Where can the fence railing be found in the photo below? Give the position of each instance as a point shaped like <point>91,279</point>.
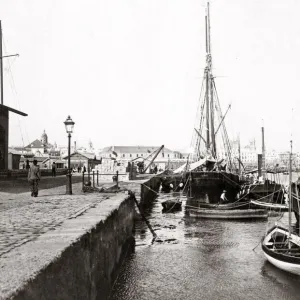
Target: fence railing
<point>94,176</point>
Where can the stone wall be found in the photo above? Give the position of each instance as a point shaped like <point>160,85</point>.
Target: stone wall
<point>87,268</point>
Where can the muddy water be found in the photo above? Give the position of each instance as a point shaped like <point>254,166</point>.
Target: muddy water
<point>201,259</point>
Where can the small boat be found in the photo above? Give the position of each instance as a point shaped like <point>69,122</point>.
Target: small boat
<point>280,245</point>
<point>282,249</point>
<point>268,205</point>
<point>234,214</point>
<point>226,206</point>
<point>172,204</point>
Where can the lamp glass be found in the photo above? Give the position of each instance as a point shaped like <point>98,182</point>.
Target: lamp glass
<point>69,123</point>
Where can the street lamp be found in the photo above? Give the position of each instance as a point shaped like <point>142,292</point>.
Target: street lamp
<point>69,123</point>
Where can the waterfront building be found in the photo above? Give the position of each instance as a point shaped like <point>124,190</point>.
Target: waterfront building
<point>165,159</point>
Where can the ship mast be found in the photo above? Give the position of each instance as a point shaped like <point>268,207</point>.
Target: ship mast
<point>263,152</point>
<point>209,95</point>
<point>290,194</point>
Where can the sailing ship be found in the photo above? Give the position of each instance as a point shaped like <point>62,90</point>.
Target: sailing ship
<point>211,173</point>
<point>280,245</point>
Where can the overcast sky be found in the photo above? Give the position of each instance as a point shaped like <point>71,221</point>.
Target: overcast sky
<point>129,72</point>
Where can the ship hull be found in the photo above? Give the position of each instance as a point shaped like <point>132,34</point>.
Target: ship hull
<point>212,184</point>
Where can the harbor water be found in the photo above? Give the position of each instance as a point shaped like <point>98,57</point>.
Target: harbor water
<point>201,259</point>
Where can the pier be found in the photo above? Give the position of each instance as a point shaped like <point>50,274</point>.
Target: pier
<point>61,246</point>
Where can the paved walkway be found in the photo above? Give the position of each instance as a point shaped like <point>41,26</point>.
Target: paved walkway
<point>23,218</point>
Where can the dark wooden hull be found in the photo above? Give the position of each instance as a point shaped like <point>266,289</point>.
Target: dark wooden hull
<point>270,192</point>
<point>295,202</point>
<point>169,205</point>
<point>213,183</point>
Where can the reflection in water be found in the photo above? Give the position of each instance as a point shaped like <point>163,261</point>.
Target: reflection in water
<point>201,259</point>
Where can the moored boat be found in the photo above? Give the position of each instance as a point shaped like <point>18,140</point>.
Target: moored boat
<point>280,245</point>
<point>282,249</point>
<point>271,206</point>
<point>233,214</point>
<point>171,204</point>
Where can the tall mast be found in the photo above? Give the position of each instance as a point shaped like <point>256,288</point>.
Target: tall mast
<point>263,152</point>
<point>290,195</point>
<point>210,132</point>
<point>1,64</point>
<point>239,148</point>
<point>207,84</point>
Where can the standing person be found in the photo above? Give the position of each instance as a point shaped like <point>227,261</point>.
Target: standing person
<point>27,164</point>
<point>34,178</point>
<point>53,169</point>
<point>223,198</point>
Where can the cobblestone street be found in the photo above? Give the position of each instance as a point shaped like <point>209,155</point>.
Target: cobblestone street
<point>23,218</point>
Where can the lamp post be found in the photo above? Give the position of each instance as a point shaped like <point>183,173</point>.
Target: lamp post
<point>69,128</point>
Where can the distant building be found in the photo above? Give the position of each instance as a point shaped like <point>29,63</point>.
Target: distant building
<point>166,158</point>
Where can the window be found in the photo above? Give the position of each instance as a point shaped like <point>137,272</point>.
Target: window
<point>123,155</point>
<point>168,155</point>
<point>109,155</point>
<point>130,155</point>
<point>141,154</point>
<point>137,155</point>
<point>163,155</point>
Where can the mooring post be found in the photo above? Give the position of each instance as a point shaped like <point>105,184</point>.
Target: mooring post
<point>97,178</point>
<point>93,178</point>
<point>142,215</point>
<point>117,179</point>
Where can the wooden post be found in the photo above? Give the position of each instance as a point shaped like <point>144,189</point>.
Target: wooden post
<point>117,178</point>
<point>93,178</point>
<point>97,178</point>
<point>142,215</point>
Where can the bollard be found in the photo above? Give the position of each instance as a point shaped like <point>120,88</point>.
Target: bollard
<point>93,178</point>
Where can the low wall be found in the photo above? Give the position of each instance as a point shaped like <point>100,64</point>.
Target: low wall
<point>23,173</point>
<point>59,266</point>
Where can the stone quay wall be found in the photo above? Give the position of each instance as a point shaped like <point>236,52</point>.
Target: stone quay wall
<point>79,259</point>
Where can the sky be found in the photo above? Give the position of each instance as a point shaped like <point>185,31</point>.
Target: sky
<point>130,72</point>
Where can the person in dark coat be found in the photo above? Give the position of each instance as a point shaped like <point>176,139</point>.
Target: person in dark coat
<point>33,178</point>
<point>54,169</point>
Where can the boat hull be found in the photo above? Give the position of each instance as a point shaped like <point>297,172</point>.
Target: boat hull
<point>213,183</point>
<point>270,206</point>
<point>274,251</point>
<point>229,206</point>
<point>237,214</point>
<point>271,192</point>
<point>169,205</point>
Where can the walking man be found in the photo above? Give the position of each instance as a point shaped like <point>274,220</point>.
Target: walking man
<point>34,178</point>
<point>53,169</point>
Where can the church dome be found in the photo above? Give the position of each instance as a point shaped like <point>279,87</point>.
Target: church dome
<point>44,138</point>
